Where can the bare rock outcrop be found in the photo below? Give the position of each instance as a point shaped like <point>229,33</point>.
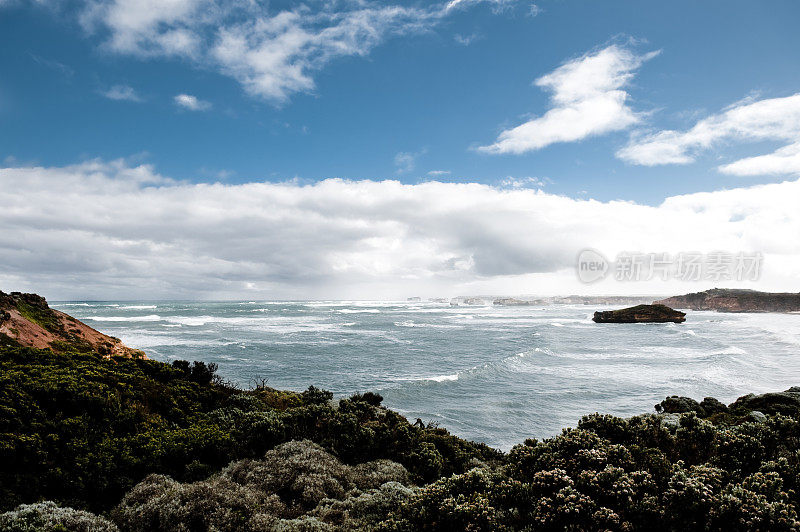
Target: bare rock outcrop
<point>640,314</point>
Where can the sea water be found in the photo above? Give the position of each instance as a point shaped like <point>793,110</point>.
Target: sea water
<point>487,373</point>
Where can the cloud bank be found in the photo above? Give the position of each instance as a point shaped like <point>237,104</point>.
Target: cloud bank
<point>587,99</point>
<point>112,230</point>
<point>775,119</point>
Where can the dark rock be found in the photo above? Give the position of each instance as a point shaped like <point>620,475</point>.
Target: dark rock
<point>640,314</point>
<point>671,420</point>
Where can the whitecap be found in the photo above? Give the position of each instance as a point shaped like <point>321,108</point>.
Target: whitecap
<point>151,317</point>
<point>443,378</point>
<point>413,324</point>
<point>191,321</point>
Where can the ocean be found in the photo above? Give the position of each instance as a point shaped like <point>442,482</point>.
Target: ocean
<point>491,374</point>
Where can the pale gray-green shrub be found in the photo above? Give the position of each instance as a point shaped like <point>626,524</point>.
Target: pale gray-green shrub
<point>48,516</point>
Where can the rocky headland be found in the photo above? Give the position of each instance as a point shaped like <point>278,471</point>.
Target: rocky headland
<point>27,320</point>
<point>735,300</point>
<point>640,314</point>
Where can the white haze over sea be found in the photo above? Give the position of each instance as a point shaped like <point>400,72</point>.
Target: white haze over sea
<point>491,374</point>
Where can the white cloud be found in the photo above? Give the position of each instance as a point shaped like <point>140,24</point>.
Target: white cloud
<point>272,53</point>
<point>782,161</point>
<point>439,173</point>
<point>497,5</point>
<point>187,101</point>
<point>749,120</point>
<point>111,230</point>
<point>587,99</point>
<point>406,161</point>
<point>122,93</point>
<point>466,40</point>
<point>523,182</point>
<point>149,27</point>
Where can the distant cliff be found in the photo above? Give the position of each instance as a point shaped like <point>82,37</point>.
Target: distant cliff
<point>730,300</point>
<point>28,321</point>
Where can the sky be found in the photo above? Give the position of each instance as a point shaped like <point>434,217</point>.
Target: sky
<point>200,149</point>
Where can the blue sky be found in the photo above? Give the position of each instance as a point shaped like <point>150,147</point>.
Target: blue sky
<point>424,94</point>
<point>200,148</point>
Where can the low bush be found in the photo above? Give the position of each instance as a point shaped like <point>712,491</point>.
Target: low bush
<point>182,450</point>
<point>81,430</point>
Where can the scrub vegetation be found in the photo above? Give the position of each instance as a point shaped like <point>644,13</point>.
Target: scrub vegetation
<point>89,442</point>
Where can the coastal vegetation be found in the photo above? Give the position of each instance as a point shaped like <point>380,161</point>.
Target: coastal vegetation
<point>91,440</point>
<point>95,443</point>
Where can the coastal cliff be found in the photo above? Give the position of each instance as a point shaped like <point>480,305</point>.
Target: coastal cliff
<point>732,300</point>
<point>27,320</point>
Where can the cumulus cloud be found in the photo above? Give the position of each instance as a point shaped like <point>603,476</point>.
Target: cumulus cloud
<point>749,120</point>
<point>149,27</point>
<point>111,229</point>
<point>192,103</point>
<point>122,93</point>
<point>587,99</point>
<point>272,53</point>
<point>782,161</point>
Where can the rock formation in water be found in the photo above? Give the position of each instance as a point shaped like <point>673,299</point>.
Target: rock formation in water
<point>27,320</point>
<point>731,300</point>
<point>640,314</point>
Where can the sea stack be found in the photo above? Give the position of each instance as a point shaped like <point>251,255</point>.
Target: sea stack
<point>641,314</point>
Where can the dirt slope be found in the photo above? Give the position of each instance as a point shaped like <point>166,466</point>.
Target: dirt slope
<point>27,320</point>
